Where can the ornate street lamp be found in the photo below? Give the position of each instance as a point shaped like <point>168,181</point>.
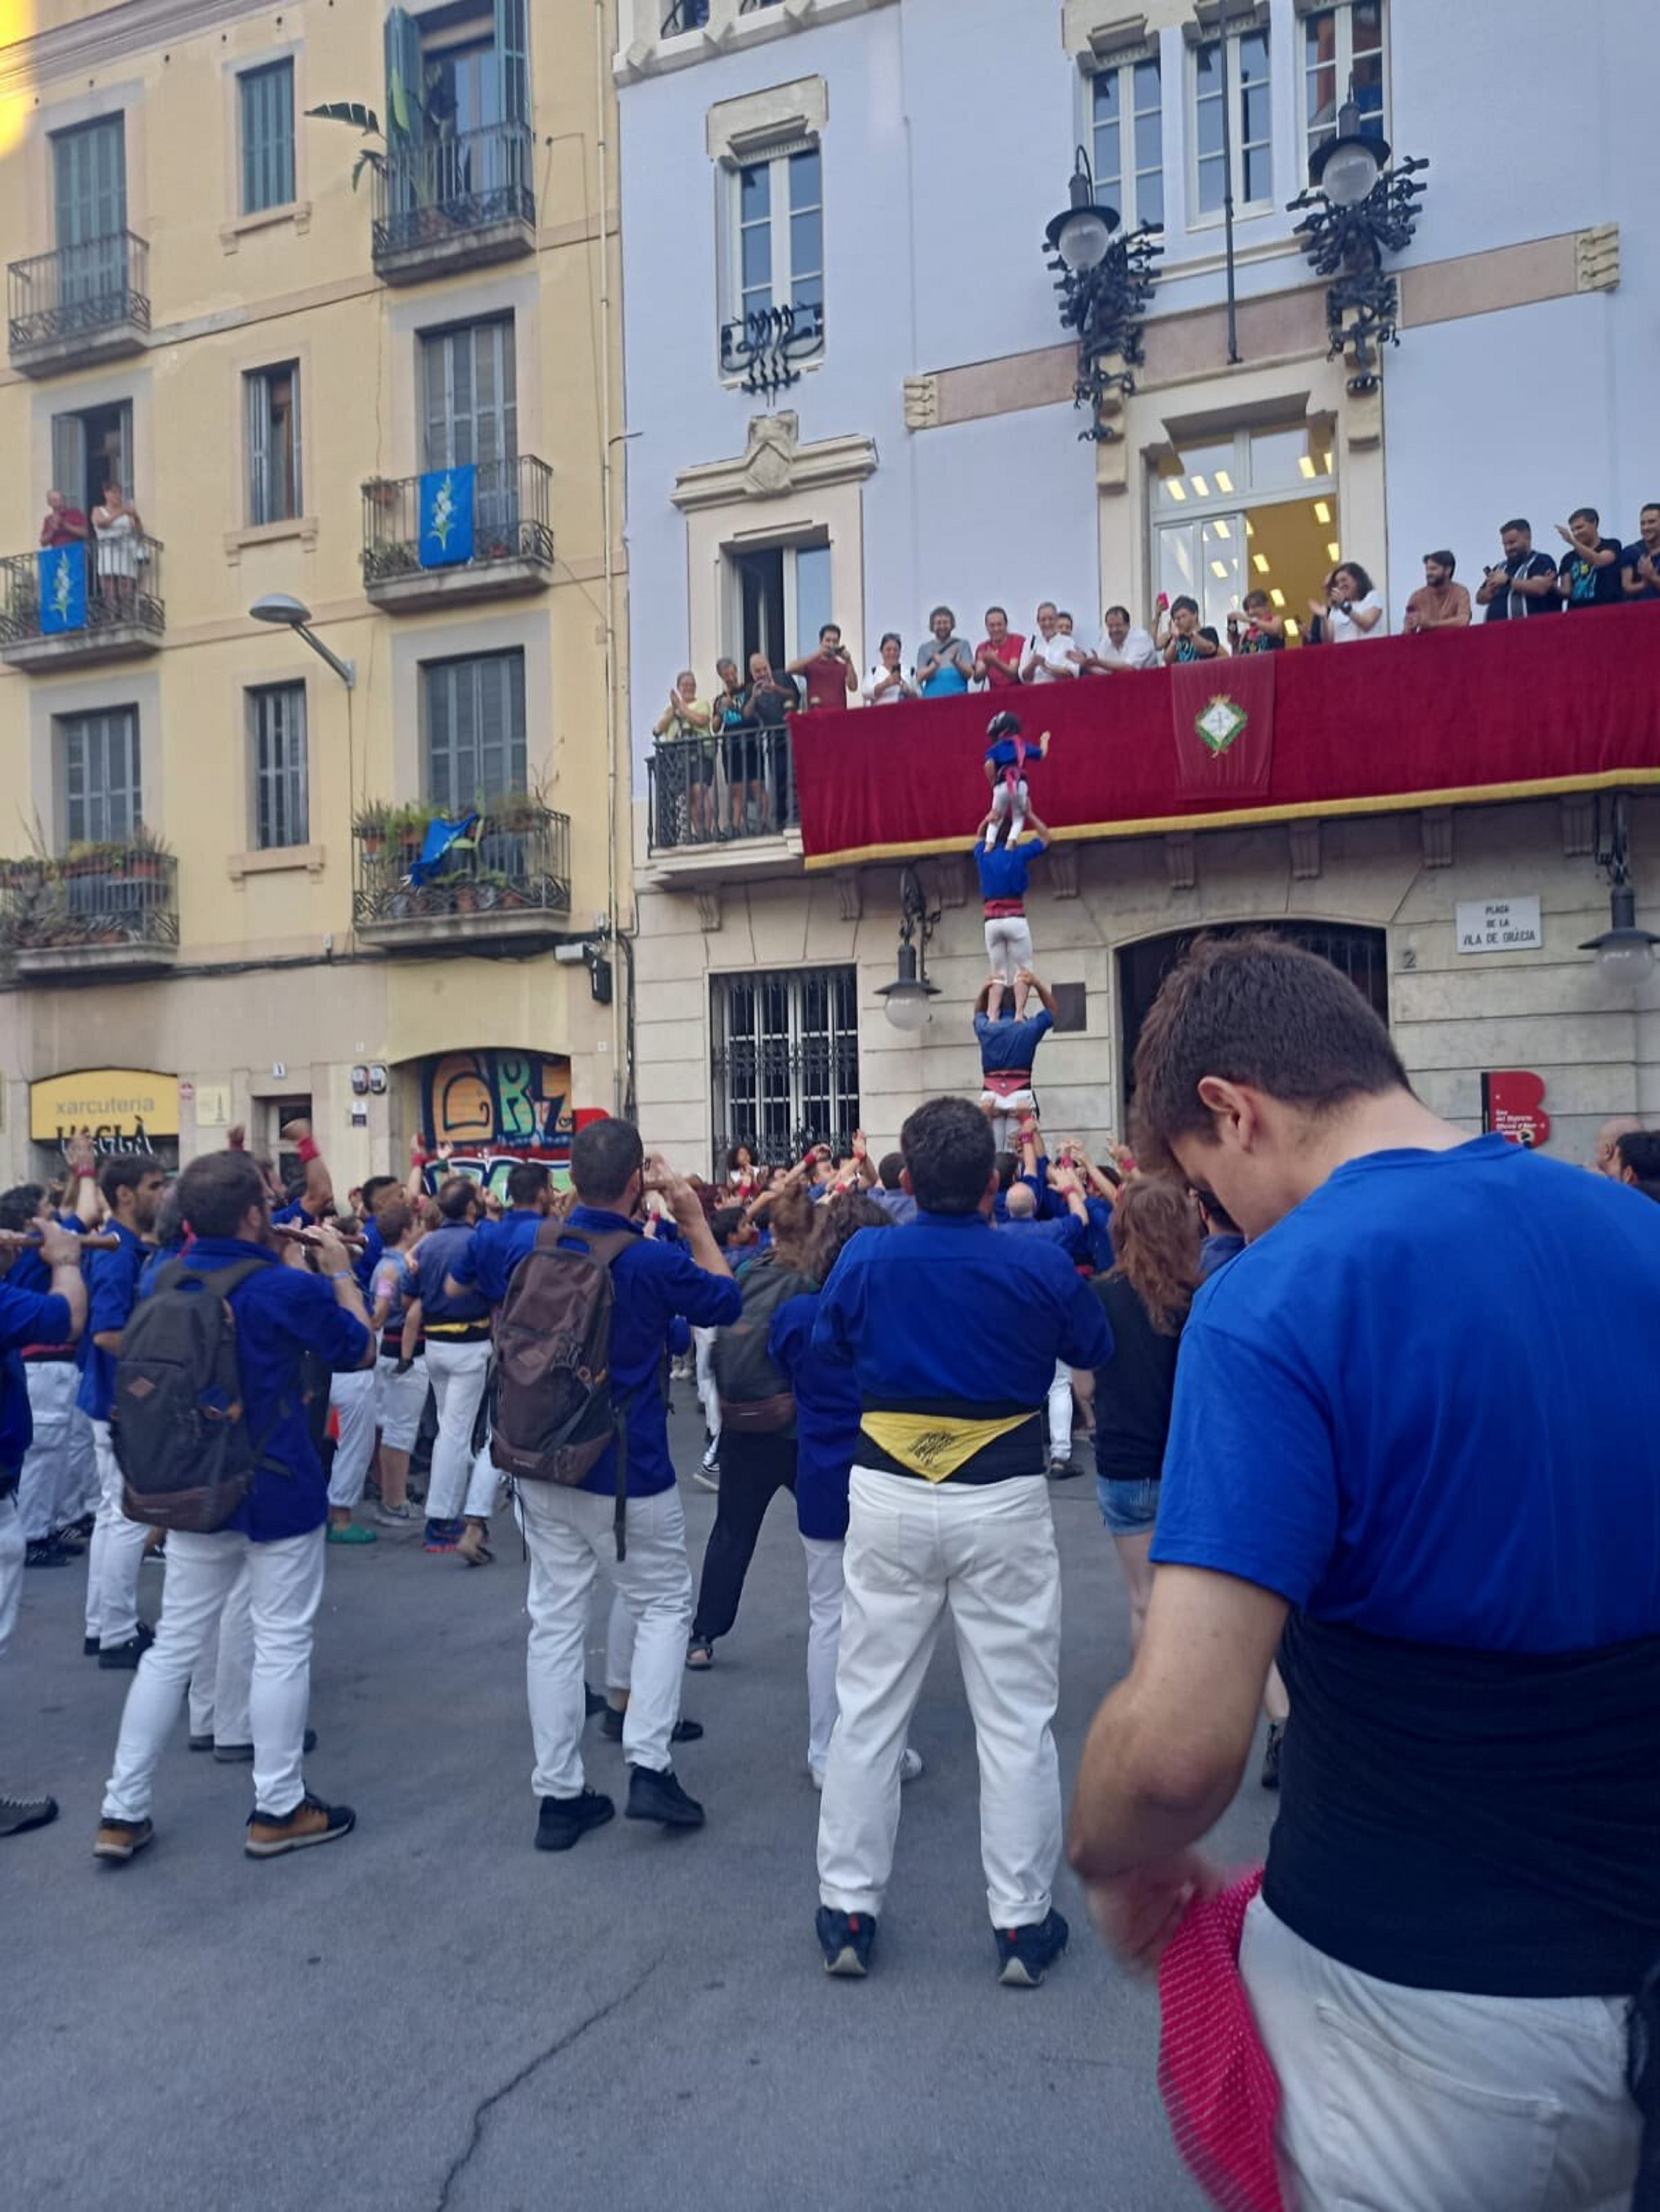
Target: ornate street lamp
<point>906,1000</point>
<point>1361,209</point>
<point>1625,953</point>
<point>1105,277</point>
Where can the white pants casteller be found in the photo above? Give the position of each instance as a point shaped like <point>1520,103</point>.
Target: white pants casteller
<point>1005,1109</point>
<point>353,1398</point>
<point>1008,946</point>
<point>1012,800</point>
<point>1398,2100</point>
<point>83,1490</point>
<point>457,1373</point>
<point>708,1397</point>
<point>400,1401</point>
<point>115,1554</point>
<point>986,1554</point>
<point>825,1583</point>
<point>11,1570</point>
<point>285,1584</point>
<point>569,1536</point>
<point>1061,1411</point>
<point>619,1643</point>
<point>222,1681</point>
<point>43,1484</point>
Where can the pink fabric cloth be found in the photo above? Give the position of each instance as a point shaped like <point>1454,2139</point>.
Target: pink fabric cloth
<point>1219,2090</point>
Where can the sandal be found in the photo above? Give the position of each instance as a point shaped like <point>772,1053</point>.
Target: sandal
<point>700,1654</point>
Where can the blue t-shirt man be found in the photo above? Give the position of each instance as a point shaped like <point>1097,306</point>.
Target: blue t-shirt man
<point>487,1261</point>
<point>26,1316</point>
<point>1008,1047</point>
<point>112,1294</point>
<point>1005,870</point>
<point>1639,549</point>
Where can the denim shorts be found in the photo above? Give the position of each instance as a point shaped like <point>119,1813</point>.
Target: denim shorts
<point>1129,1509</point>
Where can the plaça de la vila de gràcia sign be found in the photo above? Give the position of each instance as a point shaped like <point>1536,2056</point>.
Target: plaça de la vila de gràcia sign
<point>1499,925</point>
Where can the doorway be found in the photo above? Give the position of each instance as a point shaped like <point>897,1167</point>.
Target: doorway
<point>1250,510</point>
<point>783,600</point>
<point>92,447</point>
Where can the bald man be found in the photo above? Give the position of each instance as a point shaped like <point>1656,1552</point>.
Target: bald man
<point>1606,1160</point>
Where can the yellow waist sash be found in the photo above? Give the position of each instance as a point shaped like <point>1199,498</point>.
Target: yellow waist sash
<point>935,1445</point>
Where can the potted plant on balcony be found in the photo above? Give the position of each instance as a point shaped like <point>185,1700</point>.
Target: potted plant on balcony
<point>145,856</point>
<point>381,491</point>
<point>369,827</point>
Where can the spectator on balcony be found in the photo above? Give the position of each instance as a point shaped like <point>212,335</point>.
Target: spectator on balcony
<point>945,666</point>
<point>1183,638</point>
<point>760,769</point>
<point>888,682</point>
<point>1639,564</point>
<point>1257,627</point>
<point>1438,603</point>
<point>1522,583</point>
<point>1123,645</point>
<point>120,530</point>
<point>1049,655</point>
<point>829,674</point>
<point>1587,573</point>
<point>1353,608</point>
<point>997,661</point>
<point>688,722</point>
<point>64,524</point>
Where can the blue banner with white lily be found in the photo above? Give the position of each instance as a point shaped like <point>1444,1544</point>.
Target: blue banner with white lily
<point>63,588</point>
<point>446,517</point>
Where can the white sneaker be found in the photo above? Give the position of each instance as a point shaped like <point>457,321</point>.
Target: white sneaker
<point>394,1516</point>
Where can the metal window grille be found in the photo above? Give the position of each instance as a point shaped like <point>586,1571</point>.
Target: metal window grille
<point>101,786</point>
<point>475,727</point>
<point>784,1059</point>
<point>267,115</point>
<point>277,730</point>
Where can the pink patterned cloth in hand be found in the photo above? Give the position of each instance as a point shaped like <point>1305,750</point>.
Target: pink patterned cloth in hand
<point>1219,2090</point>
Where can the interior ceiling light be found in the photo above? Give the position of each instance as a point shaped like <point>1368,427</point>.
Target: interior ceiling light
<point>1260,562</point>
<point>1224,481</point>
<point>1306,462</point>
<point>1321,510</point>
<point>1202,489</point>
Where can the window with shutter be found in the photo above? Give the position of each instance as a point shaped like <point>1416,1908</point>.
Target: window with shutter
<point>266,103</point>
<point>100,776</point>
<point>276,736</point>
<point>474,712</point>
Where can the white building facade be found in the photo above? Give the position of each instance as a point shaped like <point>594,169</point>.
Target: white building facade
<point>886,169</point>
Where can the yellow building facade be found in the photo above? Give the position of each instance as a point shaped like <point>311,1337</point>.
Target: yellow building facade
<point>384,408</point>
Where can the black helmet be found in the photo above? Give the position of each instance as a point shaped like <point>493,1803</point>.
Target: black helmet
<point>1003,725</point>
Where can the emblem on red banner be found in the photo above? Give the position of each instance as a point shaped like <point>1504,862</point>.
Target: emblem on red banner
<point>1221,722</point>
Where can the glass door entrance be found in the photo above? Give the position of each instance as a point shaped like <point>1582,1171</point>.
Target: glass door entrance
<point>1253,510</point>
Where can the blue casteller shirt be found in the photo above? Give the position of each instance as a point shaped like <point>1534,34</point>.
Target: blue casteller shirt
<point>653,1282</point>
<point>1217,1249</point>
<point>1084,1243</point>
<point>1004,869</point>
<point>112,1294</point>
<point>364,1265</point>
<point>281,1313</point>
<point>494,1249</point>
<point>25,1318</point>
<point>827,1409</point>
<point>1009,1044</point>
<point>440,1254</point>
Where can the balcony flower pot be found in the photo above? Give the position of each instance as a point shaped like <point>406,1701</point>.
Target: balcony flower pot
<point>381,491</point>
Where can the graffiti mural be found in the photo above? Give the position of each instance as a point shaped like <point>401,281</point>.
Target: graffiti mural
<point>491,1101</point>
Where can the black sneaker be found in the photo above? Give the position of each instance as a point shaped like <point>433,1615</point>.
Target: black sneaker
<point>18,1814</point>
<point>1024,1955</point>
<point>270,1834</point>
<point>1270,1774</point>
<point>82,1528</point>
<point>241,1754</point>
<point>845,1939</point>
<point>593,1701</point>
<point>90,1647</point>
<point>126,1655</point>
<point>44,1553</point>
<point>201,1743</point>
<point>563,1821</point>
<point>682,1732</point>
<point>61,1541</point>
<point>653,1796</point>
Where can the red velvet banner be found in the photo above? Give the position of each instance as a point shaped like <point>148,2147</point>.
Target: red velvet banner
<point>1502,711</point>
<point>1222,719</point>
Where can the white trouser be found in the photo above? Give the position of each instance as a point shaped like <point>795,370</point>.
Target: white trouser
<point>1398,2100</point>
<point>1008,946</point>
<point>115,1554</point>
<point>1012,800</point>
<point>823,1640</point>
<point>82,1489</point>
<point>709,1395</point>
<point>285,1584</point>
<point>619,1643</point>
<point>43,1484</point>
<point>569,1536</point>
<point>400,1401</point>
<point>457,1373</point>
<point>1061,1411</point>
<point>352,1396</point>
<point>11,1568</point>
<point>222,1680</point>
<point>986,1552</point>
<point>1005,1109</point>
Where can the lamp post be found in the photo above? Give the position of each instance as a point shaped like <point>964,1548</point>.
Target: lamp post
<point>1625,953</point>
<point>294,614</point>
<point>906,1002</point>
<point>1360,209</point>
<point>1105,277</point>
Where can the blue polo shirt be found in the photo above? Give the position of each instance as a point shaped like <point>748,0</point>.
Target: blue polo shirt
<point>652,1282</point>
<point>440,1254</point>
<point>112,1293</point>
<point>364,1265</point>
<point>1010,1044</point>
<point>29,1272</point>
<point>1004,869</point>
<point>281,1313</point>
<point>1629,557</point>
<point>25,1318</point>
<point>494,1249</point>
<point>827,1409</point>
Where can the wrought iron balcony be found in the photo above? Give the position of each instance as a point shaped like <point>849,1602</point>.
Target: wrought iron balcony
<point>96,909</point>
<point>411,563</point>
<point>456,201</point>
<point>509,881</point>
<point>765,348</point>
<point>710,792</point>
<point>95,600</point>
<point>78,304</point>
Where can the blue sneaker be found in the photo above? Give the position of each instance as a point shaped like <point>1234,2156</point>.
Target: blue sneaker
<point>846,1939</point>
<point>441,1536</point>
<point>1024,1955</point>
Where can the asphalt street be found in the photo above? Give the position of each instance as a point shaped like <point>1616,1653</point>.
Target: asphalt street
<point>431,2017</point>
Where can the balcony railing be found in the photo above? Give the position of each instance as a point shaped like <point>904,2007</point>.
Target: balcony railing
<point>79,302</point>
<point>102,607</point>
<point>511,537</point>
<point>509,880</point>
<point>97,907</point>
<point>710,791</point>
<point>765,348</point>
<point>455,202</point>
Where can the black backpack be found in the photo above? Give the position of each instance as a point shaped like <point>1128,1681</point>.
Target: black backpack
<point>554,1413</point>
<point>755,1399</point>
<point>178,1424</point>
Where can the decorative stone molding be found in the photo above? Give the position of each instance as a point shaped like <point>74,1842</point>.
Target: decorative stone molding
<point>1596,259</point>
<point>1094,31</point>
<point>921,402</point>
<point>1181,860</point>
<point>774,463</point>
<point>1578,825</point>
<point>708,909</point>
<point>945,881</point>
<point>1435,829</point>
<point>737,131</point>
<point>278,859</point>
<point>1306,849</point>
<point>1060,870</point>
<point>1363,411</point>
<point>850,897</point>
